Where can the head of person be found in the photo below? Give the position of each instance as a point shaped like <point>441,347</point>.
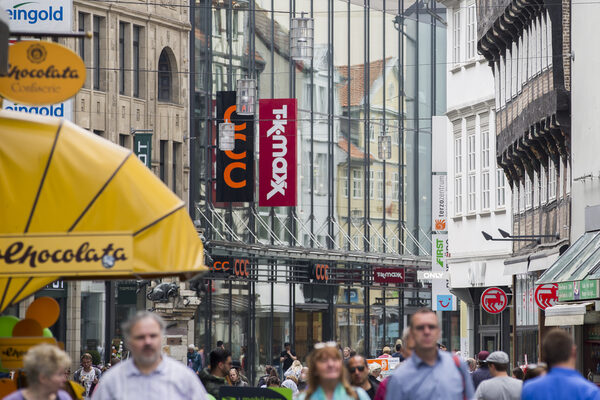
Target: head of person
<point>143,337</point>
<point>292,378</point>
<point>398,345</point>
<point>535,370</point>
<point>191,348</point>
<point>517,373</point>
<point>472,364</point>
<point>358,368</point>
<point>234,375</point>
<point>558,348</point>
<point>220,362</point>
<point>408,343</point>
<point>347,351</point>
<point>375,370</point>
<point>86,361</point>
<point>268,369</point>
<point>482,357</point>
<point>304,374</point>
<point>442,346</point>
<point>386,350</point>
<point>273,381</point>
<point>45,367</point>
<point>325,366</point>
<point>220,344</point>
<point>287,346</point>
<point>425,329</point>
<point>498,363</point>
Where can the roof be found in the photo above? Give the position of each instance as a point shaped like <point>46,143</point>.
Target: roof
<point>357,81</point>
<point>281,36</point>
<point>355,152</point>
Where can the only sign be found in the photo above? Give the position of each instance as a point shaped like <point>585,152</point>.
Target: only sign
<point>494,300</point>
<point>546,295</point>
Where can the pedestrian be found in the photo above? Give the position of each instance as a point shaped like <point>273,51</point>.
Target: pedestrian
<point>235,378</point>
<point>215,375</point>
<point>45,367</point>
<point>87,375</point>
<point>517,373</point>
<point>291,382</point>
<point>303,381</point>
<point>398,352</point>
<point>375,371</point>
<point>295,369</point>
<point>243,359</point>
<point>273,381</point>
<point>429,373</point>
<point>148,374</point>
<point>472,364</point>
<point>535,370</point>
<point>327,379</point>
<point>500,386</point>
<point>220,344</point>
<point>386,352</point>
<point>287,357</point>
<point>563,381</point>
<point>482,372</point>
<point>202,357</point>
<point>346,353</point>
<point>269,371</point>
<point>193,358</point>
<point>360,377</point>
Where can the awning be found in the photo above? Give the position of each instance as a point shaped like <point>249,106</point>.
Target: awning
<point>566,314</point>
<point>580,261</point>
<point>76,206</point>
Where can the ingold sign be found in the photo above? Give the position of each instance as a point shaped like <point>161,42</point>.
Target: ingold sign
<point>41,73</point>
<point>39,16</point>
<point>75,254</point>
<point>277,163</point>
<point>235,169</point>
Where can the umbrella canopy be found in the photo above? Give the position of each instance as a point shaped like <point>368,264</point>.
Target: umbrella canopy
<point>74,205</point>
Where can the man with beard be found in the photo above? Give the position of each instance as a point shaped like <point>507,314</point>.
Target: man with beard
<point>148,374</point>
<point>360,377</point>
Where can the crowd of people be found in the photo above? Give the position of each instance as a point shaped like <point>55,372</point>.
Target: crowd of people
<point>426,371</point>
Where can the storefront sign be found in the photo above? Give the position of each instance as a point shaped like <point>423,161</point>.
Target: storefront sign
<point>546,295</point>
<point>60,110</point>
<point>429,275</point>
<point>235,169</point>
<point>494,300</point>
<point>319,272</point>
<point>388,275</point>
<point>277,162</point>
<point>439,212</point>
<point>142,147</point>
<point>86,254</point>
<point>252,393</point>
<point>441,298</point>
<point>42,73</point>
<point>13,349</point>
<point>40,15</point>
<point>231,266</point>
<point>578,290</point>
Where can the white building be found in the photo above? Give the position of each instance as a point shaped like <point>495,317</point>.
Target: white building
<point>478,196</point>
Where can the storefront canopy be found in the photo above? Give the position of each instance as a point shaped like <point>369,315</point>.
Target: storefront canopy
<point>580,261</point>
<point>76,206</point>
<point>566,314</point>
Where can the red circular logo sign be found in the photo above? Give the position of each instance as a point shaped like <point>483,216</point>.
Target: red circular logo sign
<point>546,295</point>
<point>494,300</point>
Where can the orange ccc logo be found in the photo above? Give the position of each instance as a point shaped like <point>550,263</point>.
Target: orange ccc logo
<point>322,272</point>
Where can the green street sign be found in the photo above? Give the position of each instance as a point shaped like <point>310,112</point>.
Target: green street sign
<point>142,147</point>
<point>586,289</point>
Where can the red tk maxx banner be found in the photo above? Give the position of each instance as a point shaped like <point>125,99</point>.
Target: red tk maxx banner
<point>277,147</point>
<point>388,275</point>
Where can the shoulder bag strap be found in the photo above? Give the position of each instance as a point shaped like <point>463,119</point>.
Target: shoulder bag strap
<point>462,375</point>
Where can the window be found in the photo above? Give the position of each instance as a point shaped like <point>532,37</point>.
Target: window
<point>164,77</point>
<point>457,171</point>
<point>320,173</point>
<point>124,141</point>
<point>549,37</point>
<point>371,131</point>
<point>538,47</point>
<point>216,23</point>
<point>536,190</point>
<point>136,60</point>
<point>521,65</point>
<point>500,188</point>
<point>485,148</point>
<point>122,28</point>
<point>371,184</point>
<point>514,78</point>
<point>485,190</point>
<point>99,133</point>
<point>344,182</point>
<point>322,102</point>
<point>544,40</point>
<point>543,185</point>
<point>357,184</point>
<point>380,185</point>
<point>456,37</point>
<point>497,84</point>
<point>234,24</point>
<point>471,32</point>
<point>528,192</point>
<point>551,181</point>
<point>82,17</point>
<point>502,82</point>
<point>471,152</point>
<point>395,186</point>
<point>471,192</point>
<point>458,195</point>
<point>162,162</point>
<point>176,156</point>
<point>485,164</point>
<point>98,31</point>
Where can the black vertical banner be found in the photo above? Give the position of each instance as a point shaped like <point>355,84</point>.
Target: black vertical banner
<point>235,169</point>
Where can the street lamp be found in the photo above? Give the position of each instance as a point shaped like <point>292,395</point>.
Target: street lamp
<point>487,236</point>
<point>508,235</point>
<point>226,136</point>
<point>302,38</point>
<point>384,147</point>
<point>245,96</point>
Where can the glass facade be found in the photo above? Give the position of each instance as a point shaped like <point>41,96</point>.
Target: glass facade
<point>378,69</point>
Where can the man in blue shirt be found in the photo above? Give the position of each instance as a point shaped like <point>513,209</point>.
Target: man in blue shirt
<point>563,381</point>
<point>429,374</point>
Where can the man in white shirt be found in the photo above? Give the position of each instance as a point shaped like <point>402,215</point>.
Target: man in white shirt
<point>500,386</point>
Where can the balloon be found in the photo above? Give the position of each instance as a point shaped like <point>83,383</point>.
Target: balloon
<point>7,323</point>
<point>27,327</point>
<point>44,310</point>
<point>47,333</point>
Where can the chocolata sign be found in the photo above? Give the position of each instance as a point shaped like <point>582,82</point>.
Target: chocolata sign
<point>41,73</point>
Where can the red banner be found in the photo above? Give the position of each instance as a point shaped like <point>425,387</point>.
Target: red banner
<point>277,146</point>
<point>388,275</point>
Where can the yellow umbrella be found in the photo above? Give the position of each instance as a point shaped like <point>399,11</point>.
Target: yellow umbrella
<point>73,205</point>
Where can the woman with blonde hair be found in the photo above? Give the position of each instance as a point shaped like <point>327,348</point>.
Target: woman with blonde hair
<point>327,377</point>
<point>45,368</point>
<point>295,369</point>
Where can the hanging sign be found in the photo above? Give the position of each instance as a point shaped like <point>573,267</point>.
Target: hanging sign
<point>277,162</point>
<point>142,147</point>
<point>388,275</point>
<point>494,300</point>
<point>546,295</point>
<point>235,169</point>
<point>439,212</point>
<point>42,73</point>
<point>39,16</point>
<point>13,349</point>
<point>441,298</point>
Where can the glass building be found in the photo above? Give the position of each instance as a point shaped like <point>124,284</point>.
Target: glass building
<point>377,74</point>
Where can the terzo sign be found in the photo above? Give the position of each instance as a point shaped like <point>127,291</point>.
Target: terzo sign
<point>42,73</point>
<point>40,15</point>
<point>76,254</point>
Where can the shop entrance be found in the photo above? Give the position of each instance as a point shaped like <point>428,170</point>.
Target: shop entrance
<point>309,330</point>
<point>489,342</point>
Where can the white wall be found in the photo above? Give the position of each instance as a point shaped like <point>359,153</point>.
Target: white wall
<point>585,103</point>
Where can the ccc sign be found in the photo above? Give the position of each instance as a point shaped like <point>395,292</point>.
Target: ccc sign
<point>320,272</point>
<point>237,266</point>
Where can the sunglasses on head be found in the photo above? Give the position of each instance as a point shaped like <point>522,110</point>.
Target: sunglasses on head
<point>422,327</point>
<point>361,368</point>
<point>322,345</point>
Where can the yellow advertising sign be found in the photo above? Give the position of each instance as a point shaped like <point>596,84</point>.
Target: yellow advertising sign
<point>12,350</point>
<point>66,254</point>
<point>42,73</point>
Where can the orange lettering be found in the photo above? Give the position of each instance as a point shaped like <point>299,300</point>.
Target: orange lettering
<point>236,156</point>
<point>227,175</point>
<point>227,118</point>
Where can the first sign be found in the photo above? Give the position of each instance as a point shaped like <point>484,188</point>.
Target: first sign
<point>41,73</point>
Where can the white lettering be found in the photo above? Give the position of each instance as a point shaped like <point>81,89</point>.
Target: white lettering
<point>280,166</point>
